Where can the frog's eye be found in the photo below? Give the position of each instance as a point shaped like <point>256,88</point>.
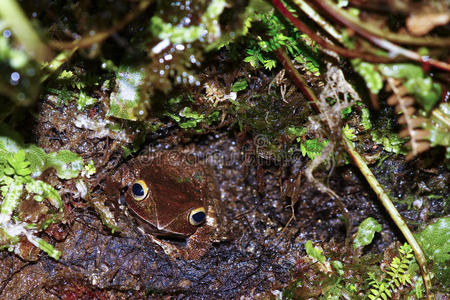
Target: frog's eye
<point>197,216</point>
<point>139,190</point>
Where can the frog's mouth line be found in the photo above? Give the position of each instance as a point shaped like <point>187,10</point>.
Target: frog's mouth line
<point>176,240</point>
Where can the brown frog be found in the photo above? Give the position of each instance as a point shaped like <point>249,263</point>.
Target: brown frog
<point>173,199</point>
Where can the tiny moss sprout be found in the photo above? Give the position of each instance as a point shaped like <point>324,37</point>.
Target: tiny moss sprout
<point>278,35</point>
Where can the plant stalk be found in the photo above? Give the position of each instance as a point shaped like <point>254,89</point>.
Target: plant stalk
<point>393,212</point>
<point>13,15</point>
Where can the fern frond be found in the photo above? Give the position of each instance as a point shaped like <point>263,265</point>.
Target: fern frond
<point>404,104</point>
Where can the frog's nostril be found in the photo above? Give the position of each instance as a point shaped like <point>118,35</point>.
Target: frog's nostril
<point>197,216</point>
<point>139,190</point>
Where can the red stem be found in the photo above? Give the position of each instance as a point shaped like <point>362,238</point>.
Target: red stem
<point>322,42</point>
<point>297,78</point>
<point>380,42</point>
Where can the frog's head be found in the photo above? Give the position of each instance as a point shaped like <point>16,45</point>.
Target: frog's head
<point>165,201</point>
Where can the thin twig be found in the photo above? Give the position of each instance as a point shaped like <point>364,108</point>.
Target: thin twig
<point>99,37</point>
<point>297,78</point>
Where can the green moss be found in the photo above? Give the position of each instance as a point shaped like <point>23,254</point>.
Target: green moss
<point>279,35</point>
<point>312,148</point>
<point>434,240</point>
<point>179,34</point>
<point>128,102</point>
<point>390,140</point>
<point>19,165</point>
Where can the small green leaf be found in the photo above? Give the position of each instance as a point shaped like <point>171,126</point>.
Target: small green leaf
<point>401,70</point>
<point>253,60</point>
<point>338,266</point>
<point>349,132</point>
<point>314,252</point>
<point>346,112</point>
<point>366,232</point>
<point>426,91</point>
<point>239,85</point>
<point>269,63</point>
<point>434,240</point>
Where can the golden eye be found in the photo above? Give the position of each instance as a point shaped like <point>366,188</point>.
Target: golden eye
<point>197,216</point>
<point>139,190</point>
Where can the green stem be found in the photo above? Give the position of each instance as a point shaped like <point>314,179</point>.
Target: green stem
<point>308,10</point>
<point>44,246</point>
<point>439,115</point>
<point>393,212</point>
<point>57,62</point>
<point>13,15</point>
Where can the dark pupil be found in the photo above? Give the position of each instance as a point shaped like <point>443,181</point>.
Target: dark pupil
<point>138,190</point>
<point>199,217</point>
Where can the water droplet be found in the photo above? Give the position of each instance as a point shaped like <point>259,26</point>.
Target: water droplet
<point>6,33</point>
<point>34,14</point>
<point>161,72</point>
<point>15,76</point>
<point>168,57</point>
<point>180,47</point>
<point>161,46</point>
